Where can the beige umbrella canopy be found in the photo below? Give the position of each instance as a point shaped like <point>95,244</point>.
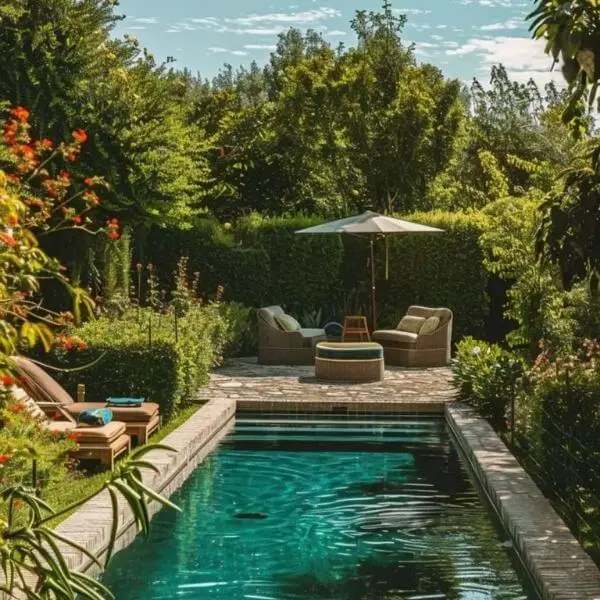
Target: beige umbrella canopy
<point>371,225</point>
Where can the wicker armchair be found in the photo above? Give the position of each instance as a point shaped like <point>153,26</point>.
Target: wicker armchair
<point>410,349</point>
<point>278,347</point>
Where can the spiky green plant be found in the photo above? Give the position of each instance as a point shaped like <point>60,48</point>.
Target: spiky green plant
<point>31,561</point>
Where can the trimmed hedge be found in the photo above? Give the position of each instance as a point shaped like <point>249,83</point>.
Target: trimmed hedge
<point>140,355</point>
<point>304,269</point>
<point>265,262</point>
<point>441,269</point>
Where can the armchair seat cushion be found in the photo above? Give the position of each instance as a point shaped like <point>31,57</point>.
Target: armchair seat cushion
<point>310,337</point>
<point>395,337</point>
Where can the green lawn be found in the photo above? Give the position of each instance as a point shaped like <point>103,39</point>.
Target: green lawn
<point>84,485</point>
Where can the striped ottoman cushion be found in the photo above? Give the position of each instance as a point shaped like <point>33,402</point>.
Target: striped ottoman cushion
<point>349,350</point>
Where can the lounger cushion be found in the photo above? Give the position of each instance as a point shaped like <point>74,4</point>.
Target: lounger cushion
<point>402,338</point>
<point>90,435</point>
<point>142,413</point>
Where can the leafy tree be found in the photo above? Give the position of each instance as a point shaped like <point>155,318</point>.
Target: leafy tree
<point>570,231</point>
<point>514,142</point>
<point>571,29</point>
<point>61,62</point>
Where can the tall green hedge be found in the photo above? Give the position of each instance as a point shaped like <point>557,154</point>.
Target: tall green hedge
<point>441,269</point>
<point>145,355</point>
<point>304,269</point>
<point>264,262</point>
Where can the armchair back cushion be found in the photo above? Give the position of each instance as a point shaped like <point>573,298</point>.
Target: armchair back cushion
<point>287,322</point>
<point>411,323</point>
<point>267,315</point>
<point>430,325</point>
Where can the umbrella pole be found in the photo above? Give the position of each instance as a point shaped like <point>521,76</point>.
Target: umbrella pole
<point>373,308</point>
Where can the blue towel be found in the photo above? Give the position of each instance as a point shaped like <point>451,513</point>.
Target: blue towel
<point>125,401</point>
<point>95,416</point>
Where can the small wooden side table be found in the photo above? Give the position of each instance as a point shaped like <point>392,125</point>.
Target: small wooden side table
<point>356,326</point>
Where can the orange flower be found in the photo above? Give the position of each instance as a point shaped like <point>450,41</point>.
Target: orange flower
<point>80,136</point>
<point>77,219</point>
<point>20,113</point>
<point>46,144</point>
<point>113,235</point>
<point>9,240</point>
<point>4,458</point>
<point>13,219</point>
<point>17,408</point>
<point>73,437</point>
<point>7,379</point>
<point>89,181</point>
<point>82,346</point>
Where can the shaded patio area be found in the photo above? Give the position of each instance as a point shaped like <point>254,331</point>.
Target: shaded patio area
<point>273,387</point>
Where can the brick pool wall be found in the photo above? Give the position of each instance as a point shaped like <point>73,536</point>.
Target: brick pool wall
<point>559,566</point>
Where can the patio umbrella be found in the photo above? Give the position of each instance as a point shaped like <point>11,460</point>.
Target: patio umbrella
<point>372,226</point>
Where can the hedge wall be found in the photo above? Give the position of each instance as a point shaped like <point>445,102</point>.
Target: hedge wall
<point>265,262</point>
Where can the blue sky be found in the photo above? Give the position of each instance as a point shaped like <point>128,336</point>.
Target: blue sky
<point>462,37</point>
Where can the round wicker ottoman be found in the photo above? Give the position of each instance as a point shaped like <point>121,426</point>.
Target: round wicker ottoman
<point>352,361</point>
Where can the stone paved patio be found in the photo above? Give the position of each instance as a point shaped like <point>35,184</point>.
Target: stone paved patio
<point>268,387</point>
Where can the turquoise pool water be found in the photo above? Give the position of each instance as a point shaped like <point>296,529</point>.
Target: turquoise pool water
<point>324,508</point>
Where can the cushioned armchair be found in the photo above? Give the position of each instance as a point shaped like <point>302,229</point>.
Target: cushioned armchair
<point>277,346</point>
<point>422,338</point>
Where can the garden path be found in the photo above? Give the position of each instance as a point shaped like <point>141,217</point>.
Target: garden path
<point>270,387</point>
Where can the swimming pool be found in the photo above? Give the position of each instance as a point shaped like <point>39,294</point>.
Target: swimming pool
<point>324,508</point>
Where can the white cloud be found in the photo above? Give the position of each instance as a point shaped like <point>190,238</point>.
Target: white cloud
<point>523,58</point>
<point>210,21</point>
<point>509,24</point>
<point>136,27</point>
<point>412,11</point>
<point>336,32</point>
<point>436,37</point>
<point>146,20</point>
<point>220,50</point>
<point>260,47</point>
<point>299,18</point>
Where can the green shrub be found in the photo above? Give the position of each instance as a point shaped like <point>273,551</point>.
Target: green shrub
<point>152,355</point>
<point>486,377</point>
<point>23,439</point>
<point>558,419</point>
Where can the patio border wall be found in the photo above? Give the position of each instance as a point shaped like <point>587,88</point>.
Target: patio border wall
<point>556,562</point>
<point>90,525</point>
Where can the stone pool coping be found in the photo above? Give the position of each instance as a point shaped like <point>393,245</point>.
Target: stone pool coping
<point>557,563</point>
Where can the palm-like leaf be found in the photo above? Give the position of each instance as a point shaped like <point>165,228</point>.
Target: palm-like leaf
<point>31,554</point>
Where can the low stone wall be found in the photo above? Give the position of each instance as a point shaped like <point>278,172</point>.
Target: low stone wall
<point>556,562</point>
<point>193,441</point>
